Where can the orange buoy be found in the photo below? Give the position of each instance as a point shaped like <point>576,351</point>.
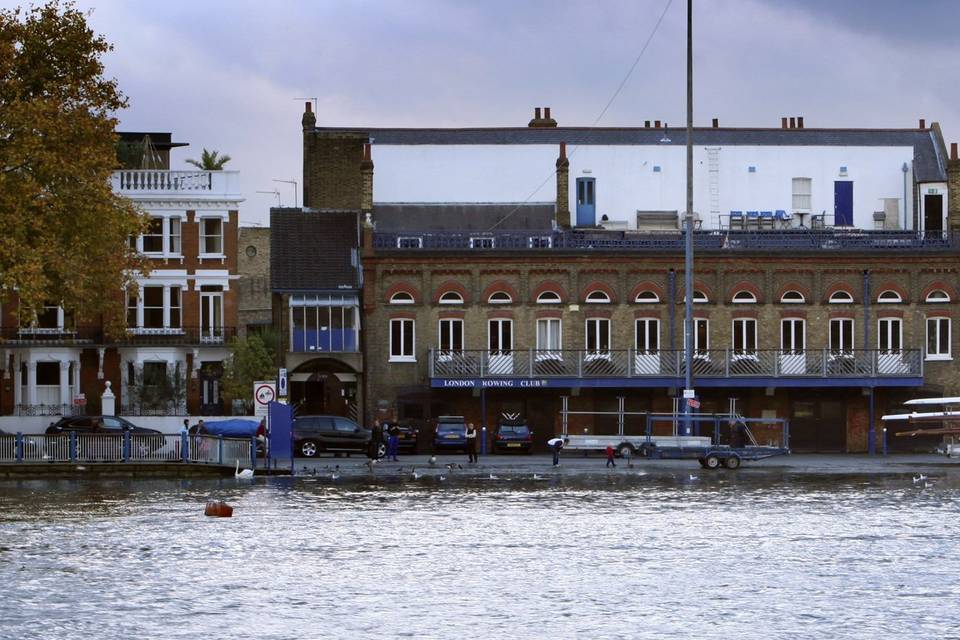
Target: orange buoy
<point>218,509</point>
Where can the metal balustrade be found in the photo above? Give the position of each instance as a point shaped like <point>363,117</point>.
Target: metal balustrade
<point>94,335</point>
<point>718,363</point>
<point>125,448</point>
<point>798,239</point>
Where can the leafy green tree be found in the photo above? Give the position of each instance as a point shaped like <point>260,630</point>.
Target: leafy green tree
<point>210,161</point>
<point>249,361</point>
<point>63,232</point>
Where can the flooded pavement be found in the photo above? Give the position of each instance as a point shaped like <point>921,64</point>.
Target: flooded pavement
<point>674,553</point>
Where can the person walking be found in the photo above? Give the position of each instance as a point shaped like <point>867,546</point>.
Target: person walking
<point>393,442</point>
<point>556,444</point>
<point>261,436</point>
<point>376,440</point>
<point>471,443</point>
<point>610,461</point>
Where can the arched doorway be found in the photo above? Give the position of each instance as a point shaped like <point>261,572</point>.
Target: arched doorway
<point>325,386</point>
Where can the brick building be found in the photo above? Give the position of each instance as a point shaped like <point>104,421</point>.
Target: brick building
<point>477,301</point>
<point>254,313</point>
<point>178,321</point>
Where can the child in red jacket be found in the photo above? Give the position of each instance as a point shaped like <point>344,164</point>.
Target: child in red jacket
<point>610,460</point>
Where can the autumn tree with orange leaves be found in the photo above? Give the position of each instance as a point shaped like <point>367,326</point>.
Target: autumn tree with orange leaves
<point>63,232</point>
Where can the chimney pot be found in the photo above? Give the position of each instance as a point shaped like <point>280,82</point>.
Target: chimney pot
<point>546,113</point>
<point>716,123</point>
<point>953,151</point>
<point>923,123</point>
<point>308,107</point>
<point>656,124</point>
<point>563,150</point>
<point>646,124</point>
<point>799,122</point>
<point>366,152</point>
<point>783,123</point>
<point>536,113</point>
<point>793,122</point>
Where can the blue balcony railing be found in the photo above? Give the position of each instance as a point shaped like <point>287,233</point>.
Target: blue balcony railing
<point>718,240</point>
<point>668,365</point>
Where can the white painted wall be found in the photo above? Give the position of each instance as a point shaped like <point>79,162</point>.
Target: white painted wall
<point>626,180</point>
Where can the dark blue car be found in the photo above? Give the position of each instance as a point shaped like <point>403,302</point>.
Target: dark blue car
<point>451,434</point>
<point>512,437</point>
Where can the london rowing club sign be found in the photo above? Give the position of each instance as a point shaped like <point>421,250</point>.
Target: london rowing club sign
<point>504,383</point>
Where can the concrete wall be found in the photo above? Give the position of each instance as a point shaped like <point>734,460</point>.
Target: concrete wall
<point>626,180</point>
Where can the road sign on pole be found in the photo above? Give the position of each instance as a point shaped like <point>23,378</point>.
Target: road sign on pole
<point>264,392</point>
<point>282,383</point>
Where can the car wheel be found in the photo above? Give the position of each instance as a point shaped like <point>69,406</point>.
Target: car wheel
<point>309,449</point>
<point>711,462</point>
<point>381,450</point>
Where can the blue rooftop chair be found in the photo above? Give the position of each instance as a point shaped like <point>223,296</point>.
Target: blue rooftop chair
<point>736,220</point>
<point>753,219</point>
<point>766,219</point>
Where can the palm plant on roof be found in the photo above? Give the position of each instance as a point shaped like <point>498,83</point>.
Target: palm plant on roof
<point>210,161</point>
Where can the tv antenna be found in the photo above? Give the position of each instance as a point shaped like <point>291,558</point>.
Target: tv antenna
<point>314,100</point>
<point>275,193</point>
<point>294,183</point>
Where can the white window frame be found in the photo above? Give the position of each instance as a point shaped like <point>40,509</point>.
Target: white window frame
<point>889,296</point>
<point>647,297</point>
<point>168,326</point>
<point>449,322</point>
<point>175,239</point>
<point>554,326</point>
<point>785,300</point>
<point>841,296</point>
<point>401,354</point>
<point>598,332</point>
<point>505,299</point>
<point>885,331</point>
<point>645,348</point>
<point>549,297</point>
<point>409,242</point>
<point>451,297</point>
<point>844,348</point>
<point>597,296</point>
<point>483,242</point>
<point>744,297</point>
<point>699,297</point>
<point>742,330</point>
<point>699,351</point>
<point>933,296</point>
<point>499,323</point>
<point>161,236</point>
<point>802,194</point>
<point>794,324</point>
<point>940,354</point>
<point>398,298</point>
<point>204,235</point>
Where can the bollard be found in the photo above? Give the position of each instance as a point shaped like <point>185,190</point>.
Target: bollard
<point>253,452</point>
<point>483,440</point>
<point>18,447</point>
<point>884,441</point>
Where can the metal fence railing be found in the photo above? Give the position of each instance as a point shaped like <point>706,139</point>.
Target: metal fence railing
<point>126,448</point>
<point>716,363</point>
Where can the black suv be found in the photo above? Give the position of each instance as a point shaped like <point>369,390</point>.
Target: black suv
<point>105,425</point>
<point>512,437</point>
<point>144,441</point>
<point>336,434</point>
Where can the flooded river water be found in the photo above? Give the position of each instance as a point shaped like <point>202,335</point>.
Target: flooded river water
<point>644,556</point>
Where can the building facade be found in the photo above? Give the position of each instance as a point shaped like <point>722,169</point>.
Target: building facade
<point>180,317</point>
<point>254,312</point>
<point>825,277</point>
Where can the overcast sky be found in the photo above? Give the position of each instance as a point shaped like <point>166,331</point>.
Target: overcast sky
<point>232,75</point>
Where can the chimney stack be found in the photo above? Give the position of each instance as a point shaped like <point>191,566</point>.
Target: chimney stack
<point>366,180</point>
<point>542,120</point>
<point>923,123</point>
<point>309,120</point>
<point>656,124</point>
<point>953,151</point>
<point>546,113</point>
<point>783,123</point>
<point>799,122</point>
<point>793,122</point>
<point>716,123</point>
<point>563,188</point>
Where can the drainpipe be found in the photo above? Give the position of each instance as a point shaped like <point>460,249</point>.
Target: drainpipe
<point>872,433</point>
<point>906,169</point>
<point>672,307</point>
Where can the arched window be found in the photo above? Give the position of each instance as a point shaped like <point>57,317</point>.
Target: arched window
<point>889,297</point>
<point>841,297</point>
<point>549,297</point>
<point>647,297</point>
<point>938,295</point>
<point>401,297</point>
<point>451,297</point>
<point>792,297</point>
<point>598,297</point>
<point>699,296</point>
<point>499,297</point>
<point>744,297</point>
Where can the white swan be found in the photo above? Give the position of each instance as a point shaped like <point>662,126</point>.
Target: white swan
<point>246,473</point>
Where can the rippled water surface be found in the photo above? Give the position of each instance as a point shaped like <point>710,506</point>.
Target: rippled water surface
<point>660,557</point>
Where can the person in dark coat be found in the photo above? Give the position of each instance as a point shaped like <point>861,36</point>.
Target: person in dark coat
<point>471,443</point>
<point>376,440</point>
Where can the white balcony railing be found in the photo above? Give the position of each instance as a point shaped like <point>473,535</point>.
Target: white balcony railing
<point>132,182</point>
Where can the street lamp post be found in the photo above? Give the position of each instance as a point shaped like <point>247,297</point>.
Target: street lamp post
<point>688,230</point>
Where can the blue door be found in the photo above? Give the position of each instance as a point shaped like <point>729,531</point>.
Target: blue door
<point>843,203</point>
<point>586,202</point>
